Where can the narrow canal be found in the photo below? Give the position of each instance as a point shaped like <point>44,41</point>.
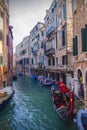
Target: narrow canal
<point>31,109</point>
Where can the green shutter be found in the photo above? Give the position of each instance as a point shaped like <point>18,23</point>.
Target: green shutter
<point>76,44</point>
<point>1,60</point>
<point>83,39</point>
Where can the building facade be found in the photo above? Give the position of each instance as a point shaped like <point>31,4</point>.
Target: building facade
<point>80,47</point>
<point>38,59</point>
<point>10,54</point>
<point>23,56</point>
<point>59,32</point>
<point>4,41</point>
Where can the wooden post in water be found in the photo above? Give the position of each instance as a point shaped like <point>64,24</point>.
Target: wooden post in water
<point>85,94</point>
<point>71,103</point>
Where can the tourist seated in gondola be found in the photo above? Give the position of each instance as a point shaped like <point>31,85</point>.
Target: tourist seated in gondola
<point>58,99</point>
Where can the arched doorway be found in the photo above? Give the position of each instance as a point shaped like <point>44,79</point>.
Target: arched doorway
<point>80,79</point>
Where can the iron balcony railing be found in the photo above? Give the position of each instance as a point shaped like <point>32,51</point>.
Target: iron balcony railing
<point>50,30</point>
<point>60,67</point>
<point>34,52</point>
<point>50,51</point>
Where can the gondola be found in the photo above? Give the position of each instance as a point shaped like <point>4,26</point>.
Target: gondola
<point>41,78</point>
<point>62,112</point>
<point>5,95</point>
<point>59,103</point>
<point>34,77</point>
<point>47,82</point>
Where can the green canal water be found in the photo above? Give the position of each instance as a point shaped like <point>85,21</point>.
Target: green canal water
<point>31,109</point>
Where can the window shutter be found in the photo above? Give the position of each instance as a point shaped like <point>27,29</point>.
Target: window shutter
<point>7,40</point>
<point>64,11</point>
<point>76,45</point>
<point>63,38</point>
<point>83,38</point>
<point>1,60</point>
<point>1,35</point>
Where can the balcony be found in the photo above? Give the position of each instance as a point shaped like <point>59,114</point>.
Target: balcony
<point>35,52</point>
<point>59,68</point>
<point>50,30</point>
<point>50,51</point>
<point>34,67</point>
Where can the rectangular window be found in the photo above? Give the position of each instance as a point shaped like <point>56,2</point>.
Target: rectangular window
<point>63,37</point>
<point>57,20</point>
<point>56,60</point>
<point>52,10</point>
<point>75,46</point>
<point>7,40</point>
<point>38,36</point>
<point>64,11</point>
<point>1,60</point>
<point>84,39</point>
<point>53,60</point>
<point>32,61</point>
<point>56,41</point>
<point>1,14</point>
<point>49,62</point>
<point>7,21</point>
<point>42,33</point>
<point>64,60</point>
<point>36,28</point>
<point>27,60</point>
<point>1,35</point>
<point>47,18</point>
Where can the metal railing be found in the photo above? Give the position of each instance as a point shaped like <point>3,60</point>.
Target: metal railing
<point>60,67</point>
<point>81,104</point>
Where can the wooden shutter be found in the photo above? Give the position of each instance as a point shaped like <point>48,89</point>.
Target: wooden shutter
<point>76,45</point>
<point>1,60</point>
<point>83,39</point>
<point>63,38</point>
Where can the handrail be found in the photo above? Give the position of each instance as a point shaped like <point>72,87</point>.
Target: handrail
<point>81,104</point>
